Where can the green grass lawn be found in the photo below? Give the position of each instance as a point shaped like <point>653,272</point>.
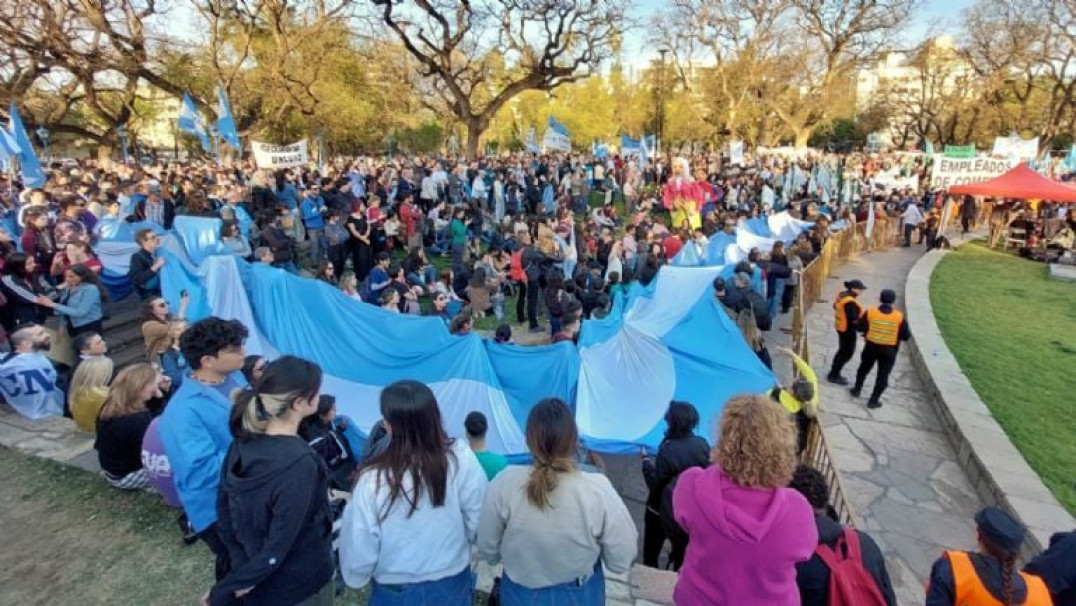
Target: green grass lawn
<point>1013,331</point>
<point>70,538</point>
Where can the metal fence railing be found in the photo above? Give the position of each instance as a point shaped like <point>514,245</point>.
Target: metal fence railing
<point>836,251</point>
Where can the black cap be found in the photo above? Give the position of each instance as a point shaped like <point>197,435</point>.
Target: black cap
<point>1000,529</point>
<point>855,284</point>
<point>889,296</point>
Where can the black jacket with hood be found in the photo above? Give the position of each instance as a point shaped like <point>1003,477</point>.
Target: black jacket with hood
<point>274,516</point>
<point>812,576</point>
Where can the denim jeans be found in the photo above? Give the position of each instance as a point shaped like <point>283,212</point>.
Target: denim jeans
<point>456,590</point>
<point>319,246</point>
<point>774,300</point>
<point>589,592</point>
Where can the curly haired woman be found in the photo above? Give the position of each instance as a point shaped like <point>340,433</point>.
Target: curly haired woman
<point>747,530</point>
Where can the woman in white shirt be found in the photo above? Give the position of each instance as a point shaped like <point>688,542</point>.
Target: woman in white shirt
<point>414,512</point>
<point>552,525</point>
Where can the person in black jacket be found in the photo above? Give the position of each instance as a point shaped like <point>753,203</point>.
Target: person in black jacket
<point>161,211</point>
<point>21,285</point>
<point>812,576</point>
<point>273,508</point>
<point>847,311</point>
<point>145,265</point>
<point>681,449</point>
<point>534,266</point>
<point>275,236</point>
<point>1057,568</point>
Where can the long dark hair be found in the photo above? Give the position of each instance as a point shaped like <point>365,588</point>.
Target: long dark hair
<point>285,380</point>
<point>552,438</point>
<point>16,266</point>
<point>418,448</point>
<point>87,275</point>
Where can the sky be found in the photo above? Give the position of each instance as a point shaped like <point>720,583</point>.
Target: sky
<point>945,13</point>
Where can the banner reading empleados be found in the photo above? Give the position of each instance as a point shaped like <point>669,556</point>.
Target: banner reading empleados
<point>267,155</point>
<point>953,171</point>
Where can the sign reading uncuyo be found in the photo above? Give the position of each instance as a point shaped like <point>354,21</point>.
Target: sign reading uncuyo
<point>268,155</point>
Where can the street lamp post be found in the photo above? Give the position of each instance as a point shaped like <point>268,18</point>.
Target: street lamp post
<point>121,130</point>
<point>661,100</point>
<point>43,134</point>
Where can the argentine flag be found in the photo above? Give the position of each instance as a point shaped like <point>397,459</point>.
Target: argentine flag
<point>225,123</point>
<point>190,121</point>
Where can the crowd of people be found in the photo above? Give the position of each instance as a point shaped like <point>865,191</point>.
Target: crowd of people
<point>255,455</point>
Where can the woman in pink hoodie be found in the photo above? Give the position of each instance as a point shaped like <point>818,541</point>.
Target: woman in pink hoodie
<point>747,530</point>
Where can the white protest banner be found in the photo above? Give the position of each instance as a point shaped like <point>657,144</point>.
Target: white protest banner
<point>959,171</point>
<point>556,141</point>
<point>736,153</point>
<point>891,179</point>
<point>267,155</point>
<point>1021,149</point>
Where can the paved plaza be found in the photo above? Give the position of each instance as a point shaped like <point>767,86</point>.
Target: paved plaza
<point>898,467</point>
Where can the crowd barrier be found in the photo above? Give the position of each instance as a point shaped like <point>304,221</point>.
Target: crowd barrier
<point>836,251</point>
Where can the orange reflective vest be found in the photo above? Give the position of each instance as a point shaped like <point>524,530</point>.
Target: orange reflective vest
<point>970,590</point>
<point>840,319</point>
<point>883,328</point>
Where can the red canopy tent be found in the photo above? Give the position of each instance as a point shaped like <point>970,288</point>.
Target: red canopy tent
<point>1020,182</point>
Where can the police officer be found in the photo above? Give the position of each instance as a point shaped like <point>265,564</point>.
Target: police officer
<point>847,310</point>
<point>884,328</point>
<point>989,576</point>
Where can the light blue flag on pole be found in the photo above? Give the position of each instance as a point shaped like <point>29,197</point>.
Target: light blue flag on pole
<point>929,148</point>
<point>1070,160</point>
<point>190,121</point>
<point>225,123</point>
<point>9,148</point>
<point>32,173</point>
<point>557,127</point>
<point>648,143</point>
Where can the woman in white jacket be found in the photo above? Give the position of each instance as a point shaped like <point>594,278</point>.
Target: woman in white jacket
<point>413,515</point>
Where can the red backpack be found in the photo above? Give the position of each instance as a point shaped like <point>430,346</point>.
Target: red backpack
<point>849,582</point>
<point>515,267</point>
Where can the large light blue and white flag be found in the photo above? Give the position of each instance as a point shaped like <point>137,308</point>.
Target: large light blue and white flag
<point>600,150</point>
<point>629,146</point>
<point>556,137</point>
<point>649,144</point>
<point>32,173</point>
<point>191,121</point>
<point>670,340</point>
<point>225,121</point>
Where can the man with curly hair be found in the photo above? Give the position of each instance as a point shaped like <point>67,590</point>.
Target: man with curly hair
<point>194,426</point>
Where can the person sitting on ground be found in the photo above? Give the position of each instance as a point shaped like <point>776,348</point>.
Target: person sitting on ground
<point>413,514</point>
<point>87,345</point>
<point>122,423</point>
<point>801,400</point>
<point>569,332</point>
<point>274,513</point>
<point>747,529</point>
<point>88,391</point>
<point>349,284</point>
<point>503,335</point>
<point>813,576</point>
<point>461,324</point>
<point>28,378</point>
<point>389,300</point>
<point>1057,568</point>
<point>679,450</point>
<point>263,254</point>
<point>231,236</point>
<point>476,426</point>
<point>145,265</point>
<point>156,321</point>
<point>988,576</point>
<point>330,443</point>
<point>194,426</point>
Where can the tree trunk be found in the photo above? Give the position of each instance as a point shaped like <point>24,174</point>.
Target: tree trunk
<point>802,136</point>
<point>475,128</point>
<point>104,156</point>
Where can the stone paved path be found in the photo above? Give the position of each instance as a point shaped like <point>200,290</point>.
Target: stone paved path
<point>897,465</point>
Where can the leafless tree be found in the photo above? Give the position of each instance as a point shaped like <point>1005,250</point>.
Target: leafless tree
<point>481,53</point>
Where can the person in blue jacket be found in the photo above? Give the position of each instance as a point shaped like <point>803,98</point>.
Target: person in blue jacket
<point>194,426</point>
<point>312,208</point>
